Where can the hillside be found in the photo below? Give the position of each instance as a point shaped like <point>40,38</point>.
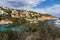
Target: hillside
<point>11,14</point>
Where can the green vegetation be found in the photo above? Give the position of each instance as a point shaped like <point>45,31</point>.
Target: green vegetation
<point>18,21</point>
<point>9,11</point>
<point>0,17</point>
<point>9,35</point>
<point>44,31</point>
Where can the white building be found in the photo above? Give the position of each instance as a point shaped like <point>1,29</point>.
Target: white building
<point>2,12</point>
<point>33,20</point>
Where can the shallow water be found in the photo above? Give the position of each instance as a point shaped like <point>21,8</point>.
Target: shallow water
<point>6,28</point>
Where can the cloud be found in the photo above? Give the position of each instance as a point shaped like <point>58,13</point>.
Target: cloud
<point>16,4</point>
<point>55,9</point>
<point>20,3</point>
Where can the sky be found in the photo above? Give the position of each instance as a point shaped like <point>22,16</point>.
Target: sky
<point>42,6</point>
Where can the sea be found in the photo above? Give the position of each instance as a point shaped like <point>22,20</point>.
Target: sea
<point>54,22</point>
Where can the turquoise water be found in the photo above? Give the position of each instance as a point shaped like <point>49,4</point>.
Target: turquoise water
<point>6,28</point>
<point>12,29</point>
